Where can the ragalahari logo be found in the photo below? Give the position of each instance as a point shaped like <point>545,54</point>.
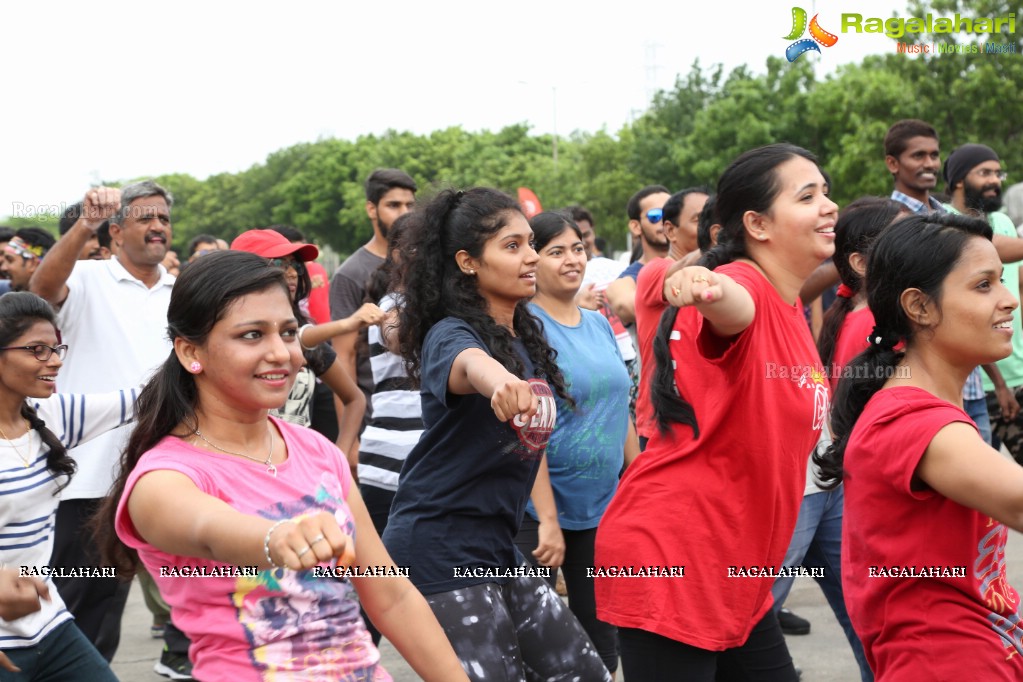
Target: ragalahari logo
<point>818,35</point>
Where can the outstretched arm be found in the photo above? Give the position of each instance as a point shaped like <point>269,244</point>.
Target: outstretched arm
<point>725,304</point>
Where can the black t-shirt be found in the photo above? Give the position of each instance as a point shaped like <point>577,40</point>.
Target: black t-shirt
<point>464,486</point>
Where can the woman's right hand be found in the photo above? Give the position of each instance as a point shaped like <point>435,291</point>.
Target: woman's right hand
<point>514,397</point>
<point>307,541</point>
<point>692,285</point>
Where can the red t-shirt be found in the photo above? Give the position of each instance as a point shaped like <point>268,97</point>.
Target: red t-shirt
<point>943,627</point>
<point>728,498</point>
<point>851,341</point>
<point>319,295</point>
<point>650,304</point>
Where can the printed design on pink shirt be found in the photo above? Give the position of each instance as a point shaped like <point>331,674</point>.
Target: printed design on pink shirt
<point>816,380</point>
<point>995,591</point>
<point>297,623</point>
<point>536,431</point>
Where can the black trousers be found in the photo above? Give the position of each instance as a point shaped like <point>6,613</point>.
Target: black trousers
<point>648,657</point>
<point>96,603</point>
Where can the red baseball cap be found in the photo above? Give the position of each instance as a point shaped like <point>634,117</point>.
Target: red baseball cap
<point>273,244</point>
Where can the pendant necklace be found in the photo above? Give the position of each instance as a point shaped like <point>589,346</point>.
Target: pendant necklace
<point>28,432</point>
<point>270,467</point>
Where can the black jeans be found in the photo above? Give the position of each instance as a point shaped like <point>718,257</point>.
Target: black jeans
<point>647,657</point>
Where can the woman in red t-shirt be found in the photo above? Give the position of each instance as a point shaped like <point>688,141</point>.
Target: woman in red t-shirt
<point>923,545</point>
<point>706,512</point>
<point>848,320</point>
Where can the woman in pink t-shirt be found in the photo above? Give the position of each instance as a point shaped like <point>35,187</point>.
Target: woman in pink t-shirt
<point>923,540</point>
<point>251,526</point>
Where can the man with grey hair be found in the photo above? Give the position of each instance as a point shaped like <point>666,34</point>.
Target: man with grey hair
<point>113,316</point>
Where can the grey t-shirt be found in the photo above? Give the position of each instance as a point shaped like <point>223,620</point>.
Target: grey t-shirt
<point>347,294</point>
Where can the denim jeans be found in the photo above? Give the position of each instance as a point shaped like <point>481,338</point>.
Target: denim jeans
<point>64,655</point>
<point>817,543</point>
<point>977,409</point>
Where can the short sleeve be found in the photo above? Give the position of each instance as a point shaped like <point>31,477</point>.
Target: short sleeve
<point>320,358</point>
<point>443,343</point>
<point>345,296</point>
<point>650,283</point>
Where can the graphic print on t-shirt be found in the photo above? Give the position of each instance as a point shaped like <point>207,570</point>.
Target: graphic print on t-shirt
<point>814,379</point>
<point>535,432</point>
<point>989,569</point>
<point>296,621</point>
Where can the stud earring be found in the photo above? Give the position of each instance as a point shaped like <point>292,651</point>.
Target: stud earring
<point>761,237</point>
<point>195,368</point>
<point>472,272</point>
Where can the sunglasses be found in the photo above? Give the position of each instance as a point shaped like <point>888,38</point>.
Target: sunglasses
<point>42,351</point>
<point>654,215</point>
<point>286,262</point>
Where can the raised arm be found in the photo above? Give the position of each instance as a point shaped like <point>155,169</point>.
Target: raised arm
<point>621,296</point>
<point>473,371</point>
<point>49,281</point>
<point>315,334</point>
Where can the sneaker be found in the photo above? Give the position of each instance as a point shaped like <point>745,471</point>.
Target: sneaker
<point>174,666</point>
<point>791,624</point>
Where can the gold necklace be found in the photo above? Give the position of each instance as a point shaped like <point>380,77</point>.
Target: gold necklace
<point>270,467</point>
<point>28,430</point>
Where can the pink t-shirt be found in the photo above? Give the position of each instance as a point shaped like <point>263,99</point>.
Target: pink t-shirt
<point>277,624</point>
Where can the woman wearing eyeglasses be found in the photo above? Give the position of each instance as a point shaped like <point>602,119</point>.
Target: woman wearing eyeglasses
<point>320,357</point>
<point>37,426</point>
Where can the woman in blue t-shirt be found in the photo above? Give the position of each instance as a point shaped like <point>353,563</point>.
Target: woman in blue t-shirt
<point>594,436</point>
<point>486,375</point>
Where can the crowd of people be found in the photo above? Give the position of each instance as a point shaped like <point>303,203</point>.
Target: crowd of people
<point>296,466</point>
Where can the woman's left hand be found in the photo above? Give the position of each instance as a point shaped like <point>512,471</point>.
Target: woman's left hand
<point>550,551</point>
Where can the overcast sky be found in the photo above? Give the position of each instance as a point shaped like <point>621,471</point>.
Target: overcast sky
<point>116,90</point>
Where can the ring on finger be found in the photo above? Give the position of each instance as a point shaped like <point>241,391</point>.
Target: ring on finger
<point>676,291</point>
<point>301,552</point>
<point>700,278</point>
<point>316,539</point>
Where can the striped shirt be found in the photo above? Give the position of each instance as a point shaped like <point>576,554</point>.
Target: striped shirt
<point>28,505</point>
<point>397,421</point>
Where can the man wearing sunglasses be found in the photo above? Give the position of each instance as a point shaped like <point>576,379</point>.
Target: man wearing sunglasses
<point>646,213</point>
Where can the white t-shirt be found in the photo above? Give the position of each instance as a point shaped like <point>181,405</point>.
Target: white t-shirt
<point>116,331</point>
<point>27,502</point>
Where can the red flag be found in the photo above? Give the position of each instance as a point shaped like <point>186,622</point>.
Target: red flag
<point>530,204</point>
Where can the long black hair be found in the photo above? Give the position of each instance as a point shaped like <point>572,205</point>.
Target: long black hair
<point>897,262</point>
<point>435,287</point>
<point>200,298</point>
<point>858,226</point>
<point>19,310</point>
<point>750,183</point>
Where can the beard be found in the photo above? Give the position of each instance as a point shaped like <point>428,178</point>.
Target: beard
<point>975,199</point>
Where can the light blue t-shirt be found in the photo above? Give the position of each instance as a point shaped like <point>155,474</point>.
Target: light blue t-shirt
<point>586,450</point>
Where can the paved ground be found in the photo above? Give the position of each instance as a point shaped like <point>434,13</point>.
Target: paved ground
<point>823,655</point>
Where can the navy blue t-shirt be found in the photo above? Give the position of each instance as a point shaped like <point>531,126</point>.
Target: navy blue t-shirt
<point>464,486</point>
<point>632,271</point>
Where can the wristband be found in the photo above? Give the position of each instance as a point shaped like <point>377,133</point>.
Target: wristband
<point>300,331</point>
<point>266,542</point>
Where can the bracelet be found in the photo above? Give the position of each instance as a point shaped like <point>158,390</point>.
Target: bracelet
<point>300,330</point>
<point>266,542</point>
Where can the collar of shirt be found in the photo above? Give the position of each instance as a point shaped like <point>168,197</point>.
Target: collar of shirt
<point>917,206</point>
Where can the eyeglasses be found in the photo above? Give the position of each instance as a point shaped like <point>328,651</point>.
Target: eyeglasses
<point>42,351</point>
<point>286,262</point>
<point>989,172</point>
<point>654,215</point>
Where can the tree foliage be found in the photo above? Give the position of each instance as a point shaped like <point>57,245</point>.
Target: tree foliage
<point>687,136</point>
